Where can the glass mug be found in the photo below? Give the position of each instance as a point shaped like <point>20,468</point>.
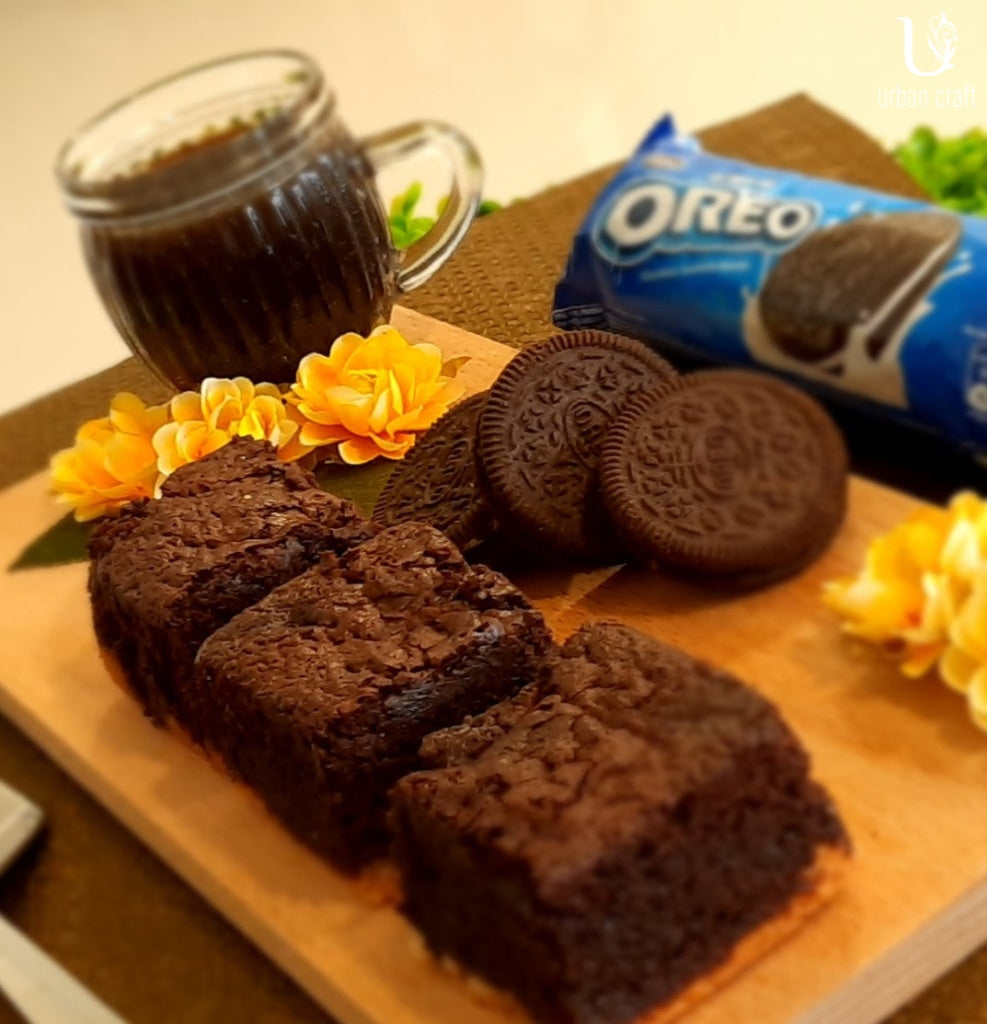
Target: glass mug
<point>232,224</point>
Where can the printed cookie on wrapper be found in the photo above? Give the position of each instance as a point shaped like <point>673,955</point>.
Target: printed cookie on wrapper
<point>860,277</point>
<point>438,482</point>
<point>728,473</point>
<point>540,436</point>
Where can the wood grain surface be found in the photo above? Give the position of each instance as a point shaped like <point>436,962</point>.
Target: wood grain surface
<point>903,762</point>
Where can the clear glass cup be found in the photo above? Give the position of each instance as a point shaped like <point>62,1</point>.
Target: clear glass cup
<point>232,224</point>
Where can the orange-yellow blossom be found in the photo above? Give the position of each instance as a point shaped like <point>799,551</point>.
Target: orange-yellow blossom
<point>922,594</point>
<point>963,665</point>
<point>205,420</point>
<point>113,461</point>
<point>371,396</point>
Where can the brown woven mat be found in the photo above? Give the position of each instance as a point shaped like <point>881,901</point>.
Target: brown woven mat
<point>92,894</point>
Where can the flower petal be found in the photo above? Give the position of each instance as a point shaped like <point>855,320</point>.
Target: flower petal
<point>354,414</point>
<point>186,405</point>
<point>317,435</point>
<point>381,413</point>
<point>957,668</point>
<point>358,450</point>
<point>129,415</point>
<point>968,630</point>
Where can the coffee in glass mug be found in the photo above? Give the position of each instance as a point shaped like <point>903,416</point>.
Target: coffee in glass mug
<point>232,224</point>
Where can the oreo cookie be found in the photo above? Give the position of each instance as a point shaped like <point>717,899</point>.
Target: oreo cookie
<point>438,482</point>
<point>855,283</point>
<point>541,433</point>
<point>728,473</point>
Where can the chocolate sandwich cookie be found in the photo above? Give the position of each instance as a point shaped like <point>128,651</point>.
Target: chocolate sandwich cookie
<point>864,275</point>
<point>438,481</point>
<point>540,436</point>
<point>730,473</point>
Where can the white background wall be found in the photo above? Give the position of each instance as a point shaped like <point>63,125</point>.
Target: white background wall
<point>546,88</point>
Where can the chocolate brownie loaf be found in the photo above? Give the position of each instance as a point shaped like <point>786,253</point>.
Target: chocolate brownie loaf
<point>598,849</point>
<point>228,529</point>
<point>318,697</point>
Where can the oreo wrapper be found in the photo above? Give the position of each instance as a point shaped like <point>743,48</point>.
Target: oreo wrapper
<point>867,295</point>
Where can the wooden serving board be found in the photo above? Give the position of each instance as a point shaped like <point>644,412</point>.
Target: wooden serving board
<point>906,767</point>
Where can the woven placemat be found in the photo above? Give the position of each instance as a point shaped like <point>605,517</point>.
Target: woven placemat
<point>93,895</point>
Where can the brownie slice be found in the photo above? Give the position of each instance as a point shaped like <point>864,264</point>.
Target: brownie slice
<point>240,463</point>
<point>319,696</point>
<point>228,529</point>
<point>596,850</point>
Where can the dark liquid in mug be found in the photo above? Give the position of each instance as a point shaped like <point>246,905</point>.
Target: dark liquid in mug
<point>255,280</point>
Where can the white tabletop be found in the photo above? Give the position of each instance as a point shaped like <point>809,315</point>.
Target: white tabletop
<point>546,88</point>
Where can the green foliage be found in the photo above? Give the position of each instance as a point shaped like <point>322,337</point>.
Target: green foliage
<point>361,484</point>
<point>407,228</point>
<point>60,544</point>
<point>953,171</point>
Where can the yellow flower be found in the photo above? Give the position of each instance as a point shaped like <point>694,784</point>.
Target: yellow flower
<point>205,420</point>
<point>963,666</point>
<point>113,460</point>
<point>922,594</point>
<point>372,395</point>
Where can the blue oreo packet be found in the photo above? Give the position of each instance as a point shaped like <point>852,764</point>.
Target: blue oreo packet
<point>869,296</point>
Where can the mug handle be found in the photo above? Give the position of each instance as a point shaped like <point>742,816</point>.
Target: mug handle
<point>409,140</point>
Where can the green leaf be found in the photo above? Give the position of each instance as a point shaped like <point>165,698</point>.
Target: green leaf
<point>403,205</point>
<point>953,171</point>
<point>411,198</point>
<point>400,236</point>
<point>361,484</point>
<point>62,544</point>
<point>406,229</point>
<point>419,227</point>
